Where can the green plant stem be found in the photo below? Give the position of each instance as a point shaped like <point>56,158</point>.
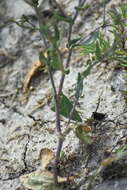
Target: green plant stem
<point>81,3</point>
<point>41,22</point>
<point>57,97</point>
<point>58,127</point>
<point>104,12</point>
<point>104,25</point>
<point>61,140</point>
<point>59,147</point>
<point>57,107</point>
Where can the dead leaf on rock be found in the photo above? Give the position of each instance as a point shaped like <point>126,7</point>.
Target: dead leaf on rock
<point>108,161</point>
<point>31,72</point>
<point>65,179</point>
<point>42,179</point>
<point>34,68</point>
<point>46,155</point>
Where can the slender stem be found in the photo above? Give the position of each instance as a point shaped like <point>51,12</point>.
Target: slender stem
<point>42,22</point>
<point>104,12</point>
<point>61,140</point>
<point>63,75</point>
<point>81,3</point>
<point>96,29</point>
<point>57,108</point>
<point>57,97</point>
<point>59,147</point>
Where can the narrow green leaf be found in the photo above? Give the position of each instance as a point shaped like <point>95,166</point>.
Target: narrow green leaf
<point>56,188</point>
<point>120,52</point>
<point>32,2</point>
<point>62,156</point>
<point>111,50</point>
<point>122,59</point>
<point>72,43</point>
<point>83,8</point>
<point>65,109</point>
<point>55,60</point>
<point>93,37</point>
<point>35,2</point>
<point>63,18</point>
<point>87,71</point>
<point>104,43</point>
<point>123,10</point>
<point>79,86</point>
<point>45,30</point>
<point>88,48</point>
<point>122,151</point>
<point>42,58</point>
<point>125,65</point>
<point>98,50</point>
<point>115,15</point>
<point>57,33</point>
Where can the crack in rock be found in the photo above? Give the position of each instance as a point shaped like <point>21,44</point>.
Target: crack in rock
<point>25,153</point>
<point>26,167</point>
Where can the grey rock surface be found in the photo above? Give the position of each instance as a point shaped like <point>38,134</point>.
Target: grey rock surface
<point>113,185</point>
<point>25,130</point>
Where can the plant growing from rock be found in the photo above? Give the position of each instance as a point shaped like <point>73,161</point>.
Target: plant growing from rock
<point>52,58</point>
<point>98,47</point>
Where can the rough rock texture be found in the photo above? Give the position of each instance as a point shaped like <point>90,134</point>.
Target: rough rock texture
<point>25,129</point>
<point>113,185</point>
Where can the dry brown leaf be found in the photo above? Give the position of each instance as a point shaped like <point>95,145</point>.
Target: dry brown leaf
<point>46,155</point>
<point>42,179</point>
<point>108,161</point>
<point>65,179</point>
<point>34,68</point>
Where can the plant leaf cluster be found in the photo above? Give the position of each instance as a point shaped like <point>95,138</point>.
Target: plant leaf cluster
<point>65,108</point>
<point>119,154</point>
<point>98,47</point>
<point>82,132</point>
<point>119,30</point>
<point>42,179</point>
